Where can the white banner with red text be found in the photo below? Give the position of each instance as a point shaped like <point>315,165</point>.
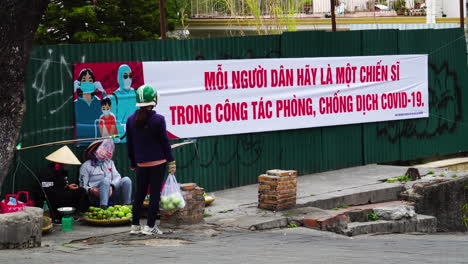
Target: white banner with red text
<point>222,97</point>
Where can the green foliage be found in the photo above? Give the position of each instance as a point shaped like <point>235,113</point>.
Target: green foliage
<point>403,178</point>
<point>207,215</point>
<point>400,7</point>
<point>399,4</point>
<point>292,225</point>
<point>454,176</point>
<point>441,175</point>
<point>83,36</point>
<point>268,16</point>
<point>67,21</point>
<point>254,10</point>
<point>344,206</point>
<point>177,13</point>
<point>431,172</point>
<point>373,217</point>
<point>67,245</point>
<point>465,214</point>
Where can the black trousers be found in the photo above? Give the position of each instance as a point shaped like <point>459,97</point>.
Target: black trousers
<point>145,176</point>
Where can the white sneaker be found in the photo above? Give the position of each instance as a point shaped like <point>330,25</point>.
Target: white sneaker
<point>151,230</point>
<point>135,229</point>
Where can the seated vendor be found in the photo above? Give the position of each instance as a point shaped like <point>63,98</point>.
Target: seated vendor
<point>100,178</point>
<point>54,180</point>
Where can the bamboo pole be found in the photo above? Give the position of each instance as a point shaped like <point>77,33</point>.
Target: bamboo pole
<point>62,142</point>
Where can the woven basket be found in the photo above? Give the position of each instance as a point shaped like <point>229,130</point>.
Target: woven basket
<point>107,222</point>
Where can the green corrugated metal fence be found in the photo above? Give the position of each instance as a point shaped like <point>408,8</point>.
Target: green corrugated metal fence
<point>229,161</point>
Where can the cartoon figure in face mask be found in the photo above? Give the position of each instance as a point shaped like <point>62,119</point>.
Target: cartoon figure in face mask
<point>107,124</point>
<point>123,99</point>
<point>87,105</point>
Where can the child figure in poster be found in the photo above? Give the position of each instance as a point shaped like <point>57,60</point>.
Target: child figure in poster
<point>107,124</point>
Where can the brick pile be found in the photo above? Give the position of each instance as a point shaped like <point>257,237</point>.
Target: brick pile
<point>194,208</point>
<point>277,190</point>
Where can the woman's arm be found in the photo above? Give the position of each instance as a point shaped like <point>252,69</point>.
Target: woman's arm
<point>130,149</point>
<point>84,177</point>
<point>165,141</point>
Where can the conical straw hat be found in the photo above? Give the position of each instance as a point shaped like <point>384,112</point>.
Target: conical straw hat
<point>65,156</point>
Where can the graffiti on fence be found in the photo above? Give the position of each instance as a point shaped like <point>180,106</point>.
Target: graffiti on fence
<point>46,91</point>
<point>246,152</point>
<point>43,88</point>
<point>445,108</point>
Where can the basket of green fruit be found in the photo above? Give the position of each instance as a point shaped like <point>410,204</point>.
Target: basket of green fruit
<point>112,216</point>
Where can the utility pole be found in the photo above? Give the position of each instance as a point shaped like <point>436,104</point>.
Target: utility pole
<point>333,18</point>
<point>462,15</point>
<point>162,19</point>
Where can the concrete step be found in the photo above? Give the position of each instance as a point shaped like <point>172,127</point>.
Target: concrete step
<point>420,223</point>
<point>337,220</point>
<point>369,194</point>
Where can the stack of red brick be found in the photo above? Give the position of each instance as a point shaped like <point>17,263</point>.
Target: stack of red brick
<point>277,189</point>
<point>194,208</point>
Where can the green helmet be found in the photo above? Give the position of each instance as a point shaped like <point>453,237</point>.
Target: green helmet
<point>146,96</point>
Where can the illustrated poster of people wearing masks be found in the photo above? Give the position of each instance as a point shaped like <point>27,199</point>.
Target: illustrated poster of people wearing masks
<point>104,97</point>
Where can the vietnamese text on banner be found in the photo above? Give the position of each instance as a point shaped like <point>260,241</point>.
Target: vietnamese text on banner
<point>221,97</point>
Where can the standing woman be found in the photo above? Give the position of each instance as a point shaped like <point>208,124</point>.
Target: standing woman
<point>149,151</point>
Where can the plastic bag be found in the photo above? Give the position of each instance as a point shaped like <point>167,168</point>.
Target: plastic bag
<point>171,196</point>
<point>105,150</point>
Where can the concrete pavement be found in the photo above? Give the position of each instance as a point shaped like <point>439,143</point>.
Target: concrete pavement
<point>291,245</point>
<point>237,207</point>
<point>314,186</point>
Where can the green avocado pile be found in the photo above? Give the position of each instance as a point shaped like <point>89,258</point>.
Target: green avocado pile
<point>111,213</point>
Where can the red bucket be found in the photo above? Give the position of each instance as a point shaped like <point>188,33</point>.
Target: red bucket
<point>8,208</point>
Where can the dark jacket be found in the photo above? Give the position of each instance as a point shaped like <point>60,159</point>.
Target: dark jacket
<point>149,143</point>
<point>53,180</point>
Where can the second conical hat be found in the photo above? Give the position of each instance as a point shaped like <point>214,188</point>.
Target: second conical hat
<point>65,156</point>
